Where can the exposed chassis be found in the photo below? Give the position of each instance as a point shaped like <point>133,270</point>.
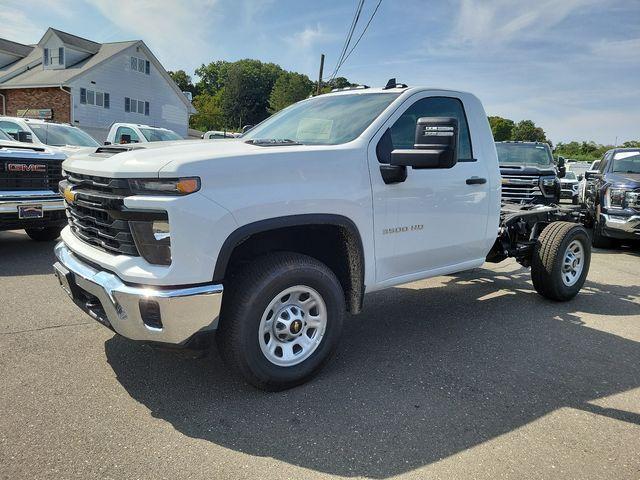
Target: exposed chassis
<point>520,226</point>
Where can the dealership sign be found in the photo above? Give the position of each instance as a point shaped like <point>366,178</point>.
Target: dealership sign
<point>42,113</point>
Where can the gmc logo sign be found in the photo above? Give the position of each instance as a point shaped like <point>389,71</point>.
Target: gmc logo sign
<point>26,167</point>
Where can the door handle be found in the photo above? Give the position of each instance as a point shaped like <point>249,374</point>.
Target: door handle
<point>476,181</point>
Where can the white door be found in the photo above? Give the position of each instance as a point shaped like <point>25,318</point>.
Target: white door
<point>435,221</point>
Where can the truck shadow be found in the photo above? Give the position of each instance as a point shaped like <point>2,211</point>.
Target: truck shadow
<point>19,255</point>
<point>421,375</point>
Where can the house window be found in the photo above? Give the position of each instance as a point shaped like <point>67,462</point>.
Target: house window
<point>61,56</point>
<point>140,65</point>
<point>46,56</point>
<point>133,105</point>
<point>92,97</point>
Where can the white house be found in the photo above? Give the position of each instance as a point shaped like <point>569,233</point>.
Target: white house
<point>91,85</point>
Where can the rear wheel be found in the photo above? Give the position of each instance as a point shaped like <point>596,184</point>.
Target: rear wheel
<point>46,234</point>
<point>561,261</point>
<point>282,320</point>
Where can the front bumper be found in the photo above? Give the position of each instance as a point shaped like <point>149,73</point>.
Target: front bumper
<point>624,227</point>
<point>11,200</point>
<point>145,313</point>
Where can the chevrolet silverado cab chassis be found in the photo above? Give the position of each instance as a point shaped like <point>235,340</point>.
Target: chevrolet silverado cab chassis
<point>268,239</point>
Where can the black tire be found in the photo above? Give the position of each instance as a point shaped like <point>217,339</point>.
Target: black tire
<point>598,239</point>
<point>248,295</point>
<point>548,258</point>
<point>46,234</point>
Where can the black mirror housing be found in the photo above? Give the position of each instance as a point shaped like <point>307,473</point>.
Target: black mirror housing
<point>246,128</point>
<point>436,145</point>
<point>25,137</point>
<point>591,174</point>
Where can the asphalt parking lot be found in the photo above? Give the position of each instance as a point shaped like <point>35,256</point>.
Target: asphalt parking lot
<point>465,376</point>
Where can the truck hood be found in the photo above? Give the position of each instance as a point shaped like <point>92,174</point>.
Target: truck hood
<point>148,159</point>
<point>70,150</point>
<point>527,170</point>
<point>631,180</point>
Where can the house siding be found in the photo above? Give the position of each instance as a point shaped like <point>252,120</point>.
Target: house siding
<point>39,98</point>
<point>116,78</point>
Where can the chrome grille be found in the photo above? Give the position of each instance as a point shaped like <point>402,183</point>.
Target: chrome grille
<point>520,188</point>
<point>97,215</point>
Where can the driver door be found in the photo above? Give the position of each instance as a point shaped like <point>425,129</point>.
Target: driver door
<point>436,220</point>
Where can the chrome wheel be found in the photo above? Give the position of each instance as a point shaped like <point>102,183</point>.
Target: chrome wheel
<point>573,263</point>
<point>292,326</point>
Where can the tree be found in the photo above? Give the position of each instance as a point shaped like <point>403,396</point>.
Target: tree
<point>631,144</point>
<point>502,128</point>
<point>183,81</point>
<point>526,131</point>
<point>209,116</point>
<point>290,87</point>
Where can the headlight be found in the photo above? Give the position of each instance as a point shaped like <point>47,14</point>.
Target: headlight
<point>153,240</point>
<point>162,186</point>
<point>632,199</point>
<point>548,182</point>
<point>615,197</point>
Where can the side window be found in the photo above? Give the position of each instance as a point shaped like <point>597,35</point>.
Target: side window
<point>126,131</point>
<point>605,162</point>
<point>11,128</point>
<point>403,132</point>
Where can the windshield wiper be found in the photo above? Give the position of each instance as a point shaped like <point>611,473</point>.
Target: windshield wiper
<point>272,142</point>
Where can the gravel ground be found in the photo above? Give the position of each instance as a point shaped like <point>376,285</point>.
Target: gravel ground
<point>465,376</point>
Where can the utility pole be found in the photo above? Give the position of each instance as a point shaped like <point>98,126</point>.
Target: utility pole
<point>319,89</point>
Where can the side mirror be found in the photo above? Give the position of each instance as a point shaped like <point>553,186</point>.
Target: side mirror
<point>107,142</point>
<point>591,174</point>
<point>562,171</point>
<point>25,137</point>
<point>435,146</point>
<point>580,177</point>
<point>246,128</point>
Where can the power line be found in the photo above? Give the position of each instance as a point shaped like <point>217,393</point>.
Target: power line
<point>348,38</point>
<point>360,37</point>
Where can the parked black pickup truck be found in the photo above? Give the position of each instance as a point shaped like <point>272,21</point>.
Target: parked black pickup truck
<point>612,197</point>
<point>529,174</point>
<point>29,198</point>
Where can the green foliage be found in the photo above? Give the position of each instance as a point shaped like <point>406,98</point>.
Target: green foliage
<point>290,87</point>
<point>183,81</point>
<point>502,128</point>
<point>526,131</point>
<point>233,94</point>
<point>631,144</point>
<point>582,151</point>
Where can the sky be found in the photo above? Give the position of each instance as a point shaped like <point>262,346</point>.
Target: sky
<point>571,66</point>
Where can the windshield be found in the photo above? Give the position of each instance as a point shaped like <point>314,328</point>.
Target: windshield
<point>324,120</point>
<point>570,175</point>
<point>159,135</point>
<point>4,136</point>
<point>60,135</point>
<point>627,162</point>
<point>524,154</point>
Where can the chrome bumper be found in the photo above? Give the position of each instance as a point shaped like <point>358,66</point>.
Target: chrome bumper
<point>182,312</point>
<point>624,224</point>
<point>11,200</point>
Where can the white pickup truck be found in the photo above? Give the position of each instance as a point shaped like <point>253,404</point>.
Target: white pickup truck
<point>334,197</point>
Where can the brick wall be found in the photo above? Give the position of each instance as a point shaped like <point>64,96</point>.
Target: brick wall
<point>53,98</point>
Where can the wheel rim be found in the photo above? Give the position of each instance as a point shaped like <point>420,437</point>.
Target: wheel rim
<point>573,263</point>
<point>292,326</point>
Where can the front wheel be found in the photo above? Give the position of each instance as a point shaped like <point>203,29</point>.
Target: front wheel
<point>561,260</point>
<point>281,320</point>
<point>46,234</point>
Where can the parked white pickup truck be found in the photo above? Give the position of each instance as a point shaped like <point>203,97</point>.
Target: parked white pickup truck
<point>334,197</point>
<point>123,133</point>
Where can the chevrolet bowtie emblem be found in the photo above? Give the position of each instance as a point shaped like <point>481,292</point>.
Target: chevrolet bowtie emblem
<point>69,195</point>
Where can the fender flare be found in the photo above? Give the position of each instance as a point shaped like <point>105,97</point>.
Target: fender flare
<point>244,232</point>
